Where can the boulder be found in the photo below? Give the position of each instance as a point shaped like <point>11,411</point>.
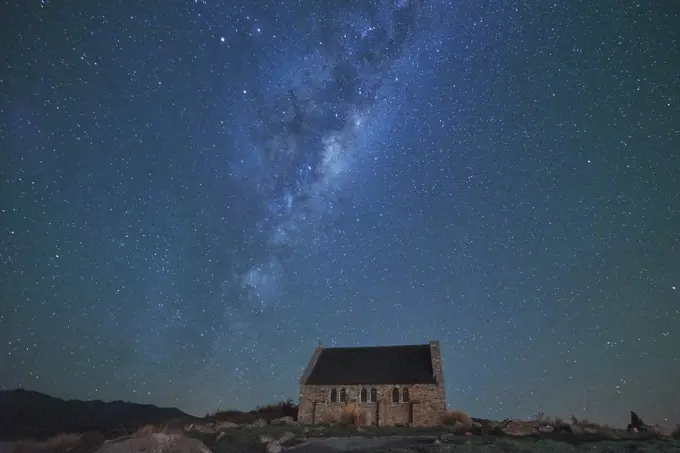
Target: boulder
<point>545,429</point>
<point>200,428</point>
<point>446,437</point>
<point>284,421</point>
<point>287,438</point>
<point>573,429</point>
<point>224,426</point>
<point>637,425</point>
<point>457,428</point>
<point>266,439</point>
<point>274,447</point>
<point>661,431</point>
<point>636,422</point>
<point>610,433</point>
<point>519,428</point>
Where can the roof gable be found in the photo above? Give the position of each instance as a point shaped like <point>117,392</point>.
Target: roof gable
<point>410,364</point>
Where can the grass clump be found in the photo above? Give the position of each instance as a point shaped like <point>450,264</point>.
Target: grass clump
<point>350,415</point>
<point>457,416</point>
<point>147,430</point>
<point>63,442</point>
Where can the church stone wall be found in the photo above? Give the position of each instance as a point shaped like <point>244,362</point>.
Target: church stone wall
<point>425,408</point>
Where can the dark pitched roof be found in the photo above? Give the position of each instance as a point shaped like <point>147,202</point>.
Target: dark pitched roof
<point>410,364</point>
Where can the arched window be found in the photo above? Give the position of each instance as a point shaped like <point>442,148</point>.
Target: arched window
<point>374,396</point>
<point>343,395</point>
<point>405,397</point>
<point>364,395</point>
<point>395,395</point>
<point>334,395</point>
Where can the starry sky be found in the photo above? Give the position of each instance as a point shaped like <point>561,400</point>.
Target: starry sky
<point>195,193</point>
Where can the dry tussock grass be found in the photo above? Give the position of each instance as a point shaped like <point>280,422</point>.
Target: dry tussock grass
<point>457,415</point>
<point>585,423</point>
<point>26,446</point>
<point>350,415</point>
<point>543,419</point>
<point>59,443</point>
<point>64,441</point>
<point>155,429</point>
<point>147,430</point>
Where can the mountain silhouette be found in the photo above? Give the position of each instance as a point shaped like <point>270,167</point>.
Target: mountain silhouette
<point>30,414</point>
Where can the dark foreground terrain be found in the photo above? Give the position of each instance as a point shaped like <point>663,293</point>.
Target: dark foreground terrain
<point>31,422</point>
<point>298,439</point>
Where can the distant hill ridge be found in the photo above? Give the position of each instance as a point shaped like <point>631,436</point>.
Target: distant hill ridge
<point>31,414</point>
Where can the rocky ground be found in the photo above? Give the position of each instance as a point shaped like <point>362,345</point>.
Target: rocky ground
<point>285,435</point>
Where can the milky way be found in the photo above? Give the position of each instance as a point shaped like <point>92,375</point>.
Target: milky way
<point>310,128</point>
<point>315,120</point>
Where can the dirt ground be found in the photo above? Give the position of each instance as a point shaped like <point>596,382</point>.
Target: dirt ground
<point>425,445</point>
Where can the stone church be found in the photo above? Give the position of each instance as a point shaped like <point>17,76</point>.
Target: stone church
<point>388,385</point>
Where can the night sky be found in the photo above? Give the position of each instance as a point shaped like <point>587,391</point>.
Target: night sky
<point>195,193</point>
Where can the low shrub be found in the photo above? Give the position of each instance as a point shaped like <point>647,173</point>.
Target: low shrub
<point>64,441</point>
<point>150,429</point>
<point>456,415</point>
<point>268,413</point>
<point>281,409</point>
<point>349,415</point>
